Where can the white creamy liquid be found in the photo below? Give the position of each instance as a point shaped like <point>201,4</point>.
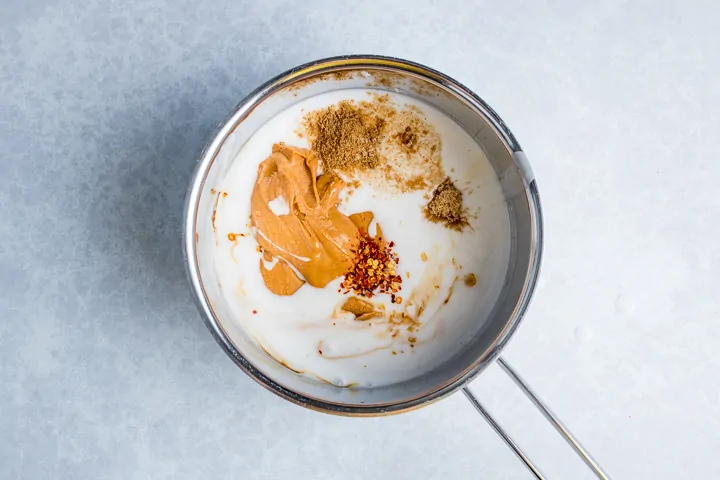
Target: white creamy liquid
<point>307,331</point>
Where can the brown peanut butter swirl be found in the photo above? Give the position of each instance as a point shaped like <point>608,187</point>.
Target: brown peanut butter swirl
<point>313,242</point>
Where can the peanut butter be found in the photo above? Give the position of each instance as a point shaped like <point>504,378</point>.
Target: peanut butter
<point>312,242</point>
<point>362,309</point>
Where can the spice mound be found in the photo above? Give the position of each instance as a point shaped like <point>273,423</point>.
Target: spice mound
<point>373,268</point>
<point>346,138</point>
<point>446,206</point>
<point>389,146</point>
<point>299,227</point>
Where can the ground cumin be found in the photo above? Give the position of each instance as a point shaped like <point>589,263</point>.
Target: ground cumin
<point>392,147</point>
<point>345,137</point>
<point>408,138</point>
<point>446,206</point>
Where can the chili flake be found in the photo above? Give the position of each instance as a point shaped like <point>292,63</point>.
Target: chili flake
<point>373,269</point>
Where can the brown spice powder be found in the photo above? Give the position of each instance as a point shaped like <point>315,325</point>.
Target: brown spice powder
<point>337,76</point>
<point>446,206</point>
<point>390,146</point>
<point>345,137</point>
<point>408,138</point>
<point>416,183</point>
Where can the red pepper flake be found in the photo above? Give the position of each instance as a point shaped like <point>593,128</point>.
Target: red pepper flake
<point>374,269</point>
<point>254,311</point>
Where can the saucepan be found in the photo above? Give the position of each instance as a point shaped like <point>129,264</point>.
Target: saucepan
<point>523,208</point>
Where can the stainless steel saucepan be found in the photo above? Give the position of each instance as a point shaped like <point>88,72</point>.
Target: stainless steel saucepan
<point>523,206</point>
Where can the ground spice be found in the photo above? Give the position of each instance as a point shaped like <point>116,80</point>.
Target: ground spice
<point>446,206</point>
<point>413,151</point>
<point>337,76</point>
<point>373,269</point>
<point>408,138</point>
<point>392,146</point>
<point>416,183</point>
<point>345,137</point>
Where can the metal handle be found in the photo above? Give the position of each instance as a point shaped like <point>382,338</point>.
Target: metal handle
<point>552,418</point>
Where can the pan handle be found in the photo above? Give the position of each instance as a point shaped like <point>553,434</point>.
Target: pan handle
<point>552,418</point>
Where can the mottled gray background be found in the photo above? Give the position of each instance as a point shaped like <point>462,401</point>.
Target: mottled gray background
<point>106,370</point>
